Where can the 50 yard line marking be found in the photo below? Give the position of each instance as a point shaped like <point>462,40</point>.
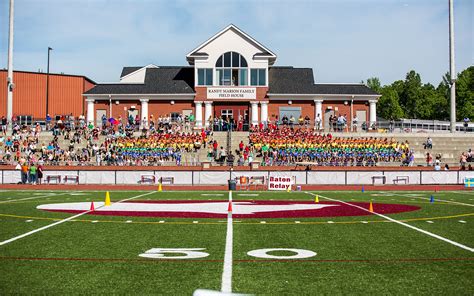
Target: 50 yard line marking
<point>401,223</point>
<point>62,221</point>
<point>226,286</point>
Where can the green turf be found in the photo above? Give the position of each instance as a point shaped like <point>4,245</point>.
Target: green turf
<point>378,257</point>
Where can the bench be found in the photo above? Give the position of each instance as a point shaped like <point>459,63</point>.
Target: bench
<point>398,179</point>
<point>383,178</point>
<point>147,178</point>
<point>73,178</point>
<point>57,178</point>
<point>167,180</point>
<point>257,181</point>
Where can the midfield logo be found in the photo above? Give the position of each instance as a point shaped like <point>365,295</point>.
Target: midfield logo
<point>241,209</point>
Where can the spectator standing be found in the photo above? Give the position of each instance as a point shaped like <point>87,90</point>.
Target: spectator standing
<point>40,173</point>
<point>24,172</point>
<point>355,122</point>
<point>466,123</point>
<point>33,172</point>
<point>318,122</point>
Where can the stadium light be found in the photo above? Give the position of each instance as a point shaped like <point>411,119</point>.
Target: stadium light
<point>47,85</point>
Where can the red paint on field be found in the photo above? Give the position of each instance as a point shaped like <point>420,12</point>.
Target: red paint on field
<point>341,210</point>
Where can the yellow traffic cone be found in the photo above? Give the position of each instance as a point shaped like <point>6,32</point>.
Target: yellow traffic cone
<point>371,207</point>
<point>160,188</point>
<point>288,189</point>
<point>107,198</point>
<point>316,199</point>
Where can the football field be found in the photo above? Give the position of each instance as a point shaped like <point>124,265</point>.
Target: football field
<point>261,243</point>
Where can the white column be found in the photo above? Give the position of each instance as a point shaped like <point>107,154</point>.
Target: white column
<point>90,111</point>
<point>318,109</point>
<point>254,120</point>
<point>144,115</point>
<point>264,112</point>
<point>207,112</point>
<point>198,113</point>
<point>373,111</point>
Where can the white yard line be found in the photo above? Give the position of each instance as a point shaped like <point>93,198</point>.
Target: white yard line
<point>402,223</point>
<point>62,221</point>
<point>227,273</point>
<point>28,198</point>
<point>437,199</point>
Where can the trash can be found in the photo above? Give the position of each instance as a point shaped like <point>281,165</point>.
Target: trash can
<point>232,185</point>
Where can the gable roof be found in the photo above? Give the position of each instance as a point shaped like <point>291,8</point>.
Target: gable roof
<point>195,52</point>
<point>289,80</point>
<point>161,80</point>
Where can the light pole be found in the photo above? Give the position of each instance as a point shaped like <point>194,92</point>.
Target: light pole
<point>10,84</point>
<point>47,85</point>
<point>452,68</point>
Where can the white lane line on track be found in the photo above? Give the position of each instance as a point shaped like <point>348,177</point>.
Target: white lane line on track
<point>28,198</point>
<point>62,221</point>
<point>226,286</point>
<point>401,223</point>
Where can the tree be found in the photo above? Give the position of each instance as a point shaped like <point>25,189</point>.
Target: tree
<point>388,106</point>
<point>374,83</point>
<point>411,94</point>
<point>465,94</point>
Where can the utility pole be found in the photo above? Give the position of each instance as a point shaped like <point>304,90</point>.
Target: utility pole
<point>451,66</point>
<point>10,84</point>
<point>47,85</point>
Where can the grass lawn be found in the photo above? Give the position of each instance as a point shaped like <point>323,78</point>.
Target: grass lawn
<point>97,254</point>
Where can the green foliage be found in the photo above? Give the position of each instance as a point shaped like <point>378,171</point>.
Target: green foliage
<point>465,94</point>
<point>388,104</point>
<point>410,98</point>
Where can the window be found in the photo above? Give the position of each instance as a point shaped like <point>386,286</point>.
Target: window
<point>258,77</point>
<point>204,77</point>
<point>231,69</point>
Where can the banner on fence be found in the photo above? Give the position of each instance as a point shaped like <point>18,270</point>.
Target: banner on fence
<point>280,183</point>
<point>469,182</point>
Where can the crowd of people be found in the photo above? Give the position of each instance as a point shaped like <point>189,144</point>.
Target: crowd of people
<point>286,145</point>
<point>166,141</point>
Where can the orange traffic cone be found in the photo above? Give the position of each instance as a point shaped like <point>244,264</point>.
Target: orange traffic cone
<point>92,207</point>
<point>229,208</point>
<point>371,207</point>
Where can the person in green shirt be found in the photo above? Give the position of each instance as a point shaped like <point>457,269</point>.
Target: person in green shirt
<point>33,172</point>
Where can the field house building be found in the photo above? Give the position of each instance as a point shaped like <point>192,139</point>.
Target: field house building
<point>231,74</point>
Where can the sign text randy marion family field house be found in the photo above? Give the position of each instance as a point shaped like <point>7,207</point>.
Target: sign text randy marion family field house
<point>231,93</point>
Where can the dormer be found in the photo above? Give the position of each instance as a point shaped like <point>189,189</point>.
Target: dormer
<point>232,58</point>
<point>135,74</point>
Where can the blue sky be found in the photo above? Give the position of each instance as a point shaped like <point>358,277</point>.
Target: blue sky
<point>343,41</point>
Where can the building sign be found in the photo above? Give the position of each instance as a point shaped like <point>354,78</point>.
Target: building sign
<point>280,183</point>
<point>231,93</point>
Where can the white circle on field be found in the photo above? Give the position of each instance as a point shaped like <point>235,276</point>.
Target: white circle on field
<point>263,253</point>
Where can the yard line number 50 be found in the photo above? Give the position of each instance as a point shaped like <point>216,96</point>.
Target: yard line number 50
<point>196,253</point>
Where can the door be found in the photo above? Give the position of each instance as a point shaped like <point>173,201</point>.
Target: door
<point>187,112</point>
<point>362,117</point>
<point>227,113</point>
<point>98,116</point>
<point>290,111</point>
<point>133,112</point>
<point>327,114</point>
